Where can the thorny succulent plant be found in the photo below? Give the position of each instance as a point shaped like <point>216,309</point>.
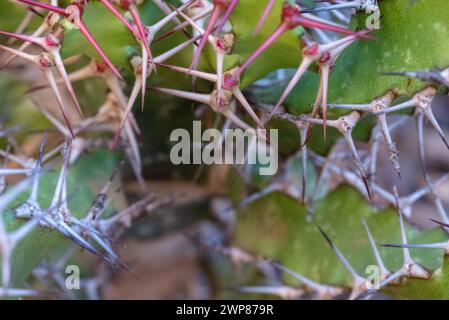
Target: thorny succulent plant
<point>360,84</point>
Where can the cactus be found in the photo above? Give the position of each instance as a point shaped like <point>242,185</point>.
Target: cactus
<point>324,222</point>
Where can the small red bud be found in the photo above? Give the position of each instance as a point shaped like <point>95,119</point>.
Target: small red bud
<point>52,41</point>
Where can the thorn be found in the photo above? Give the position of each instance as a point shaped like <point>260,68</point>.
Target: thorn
<point>328,240</point>
<point>323,291</point>
<point>255,196</point>
<point>39,162</point>
<point>6,244</point>
<point>60,65</point>
<point>50,20</point>
<point>200,74</point>
<point>205,37</point>
<point>58,198</point>
<point>222,47</point>
<point>82,27</point>
<point>9,131</point>
<point>431,188</point>
<point>29,15</point>
<point>431,117</point>
<point>17,235</point>
<point>45,63</point>
<point>423,102</point>
<point>241,98</point>
<point>98,205</point>
<point>264,16</point>
<point>59,126</point>
<point>282,292</point>
<point>138,65</point>
<point>325,55</point>
<point>214,78</point>
<point>168,54</point>
<point>201,98</point>
<point>410,267</point>
<point>51,79</point>
<point>440,245</point>
<point>11,171</point>
<point>125,217</point>
<point>324,78</point>
<point>446,225</point>
<point>348,137</point>
<point>210,100</point>
<point>185,24</point>
<point>391,279</point>
<point>73,14</point>
<point>67,231</point>
<point>264,46</point>
<point>52,45</point>
<point>170,16</point>
<point>131,7</point>
<point>227,14</point>
<point>44,6</point>
<point>13,293</point>
<point>119,16</point>
<point>290,19</point>
<point>359,5</point>
<point>384,273</point>
<point>345,125</point>
<point>429,75</point>
<point>305,63</point>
